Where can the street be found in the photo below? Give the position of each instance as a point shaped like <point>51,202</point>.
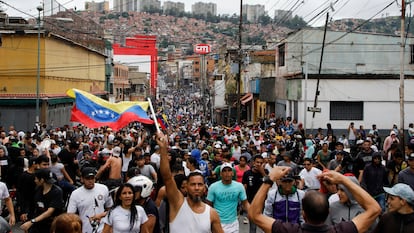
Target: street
<point>244,228</point>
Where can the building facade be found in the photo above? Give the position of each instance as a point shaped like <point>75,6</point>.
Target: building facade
<point>63,64</point>
<point>169,6</point>
<point>253,12</point>
<point>359,79</point>
<point>282,15</point>
<point>97,6</point>
<point>201,8</point>
<point>136,5</point>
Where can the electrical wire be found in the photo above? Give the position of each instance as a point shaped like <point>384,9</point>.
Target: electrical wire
<point>348,32</point>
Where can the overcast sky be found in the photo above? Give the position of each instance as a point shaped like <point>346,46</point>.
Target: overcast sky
<point>304,8</point>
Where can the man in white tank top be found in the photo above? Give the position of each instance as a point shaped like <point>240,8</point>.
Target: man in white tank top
<point>186,214</point>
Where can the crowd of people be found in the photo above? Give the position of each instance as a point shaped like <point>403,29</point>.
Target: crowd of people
<point>194,177</point>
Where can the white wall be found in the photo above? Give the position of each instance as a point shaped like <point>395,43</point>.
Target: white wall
<point>380,97</point>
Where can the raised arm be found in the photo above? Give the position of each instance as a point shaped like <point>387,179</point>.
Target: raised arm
<point>256,207</point>
<point>175,197</point>
<point>372,210</point>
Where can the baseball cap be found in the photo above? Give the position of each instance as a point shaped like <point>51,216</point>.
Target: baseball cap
<point>46,175</point>
<point>289,177</point>
<point>411,156</point>
<point>116,151</point>
<point>224,165</point>
<point>401,190</point>
<point>88,171</point>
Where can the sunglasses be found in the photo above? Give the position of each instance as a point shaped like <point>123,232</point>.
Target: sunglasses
<point>307,164</point>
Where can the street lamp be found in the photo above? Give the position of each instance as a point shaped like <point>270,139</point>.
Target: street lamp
<point>39,9</point>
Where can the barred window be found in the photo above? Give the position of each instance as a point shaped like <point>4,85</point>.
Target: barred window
<point>411,53</point>
<point>341,110</point>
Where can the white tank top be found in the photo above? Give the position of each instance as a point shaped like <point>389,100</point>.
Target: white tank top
<point>187,221</point>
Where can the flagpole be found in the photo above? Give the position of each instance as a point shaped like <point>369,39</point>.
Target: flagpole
<point>153,115</point>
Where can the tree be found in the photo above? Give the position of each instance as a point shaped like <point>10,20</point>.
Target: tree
<point>264,19</point>
<point>125,15</point>
<point>294,23</point>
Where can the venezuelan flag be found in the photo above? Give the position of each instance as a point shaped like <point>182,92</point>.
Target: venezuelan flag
<point>95,112</point>
<point>162,121</point>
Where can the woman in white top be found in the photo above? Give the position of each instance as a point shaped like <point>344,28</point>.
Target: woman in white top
<point>125,216</point>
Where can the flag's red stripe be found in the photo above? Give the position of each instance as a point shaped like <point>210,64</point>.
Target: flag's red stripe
<point>123,121</point>
<point>161,123</point>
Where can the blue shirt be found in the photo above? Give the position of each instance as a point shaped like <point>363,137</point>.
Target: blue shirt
<point>225,198</point>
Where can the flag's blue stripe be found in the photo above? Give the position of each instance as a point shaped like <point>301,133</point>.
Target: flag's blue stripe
<point>100,113</point>
<point>138,111</point>
<point>95,111</point>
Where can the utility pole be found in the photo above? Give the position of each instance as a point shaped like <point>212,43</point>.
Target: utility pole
<point>315,103</point>
<point>402,50</point>
<point>39,9</point>
<point>240,58</point>
<point>204,85</point>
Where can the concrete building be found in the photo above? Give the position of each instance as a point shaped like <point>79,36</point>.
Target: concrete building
<point>282,15</point>
<point>63,64</point>
<point>253,12</point>
<point>201,8</point>
<point>120,85</point>
<point>173,6</point>
<point>97,6</point>
<point>136,5</point>
<point>359,79</point>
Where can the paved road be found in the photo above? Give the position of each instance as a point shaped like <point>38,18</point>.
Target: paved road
<point>244,228</point>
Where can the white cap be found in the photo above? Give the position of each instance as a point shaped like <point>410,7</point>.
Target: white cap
<point>116,151</point>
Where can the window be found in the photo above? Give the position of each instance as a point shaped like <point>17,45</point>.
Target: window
<point>411,53</point>
<point>341,110</point>
<point>281,59</point>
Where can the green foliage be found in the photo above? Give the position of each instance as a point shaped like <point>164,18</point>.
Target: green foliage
<point>264,20</point>
<point>152,10</point>
<point>294,23</point>
<point>125,15</point>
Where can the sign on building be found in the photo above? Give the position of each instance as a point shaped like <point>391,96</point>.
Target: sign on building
<point>202,49</point>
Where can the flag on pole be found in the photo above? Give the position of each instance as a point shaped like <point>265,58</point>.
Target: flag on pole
<point>162,121</point>
<point>95,112</point>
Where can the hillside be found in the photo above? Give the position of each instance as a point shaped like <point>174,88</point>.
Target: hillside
<point>184,31</point>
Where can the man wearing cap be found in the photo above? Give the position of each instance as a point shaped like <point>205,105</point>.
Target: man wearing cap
<point>224,195</point>
<point>406,176</point>
<point>400,216</point>
<point>284,202</point>
<point>114,165</point>
<point>90,201</point>
<point>48,199</point>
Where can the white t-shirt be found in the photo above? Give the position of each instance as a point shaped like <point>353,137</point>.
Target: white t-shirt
<point>156,158</point>
<point>57,170</point>
<point>4,193</point>
<point>88,202</point>
<point>311,181</point>
<point>119,219</point>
